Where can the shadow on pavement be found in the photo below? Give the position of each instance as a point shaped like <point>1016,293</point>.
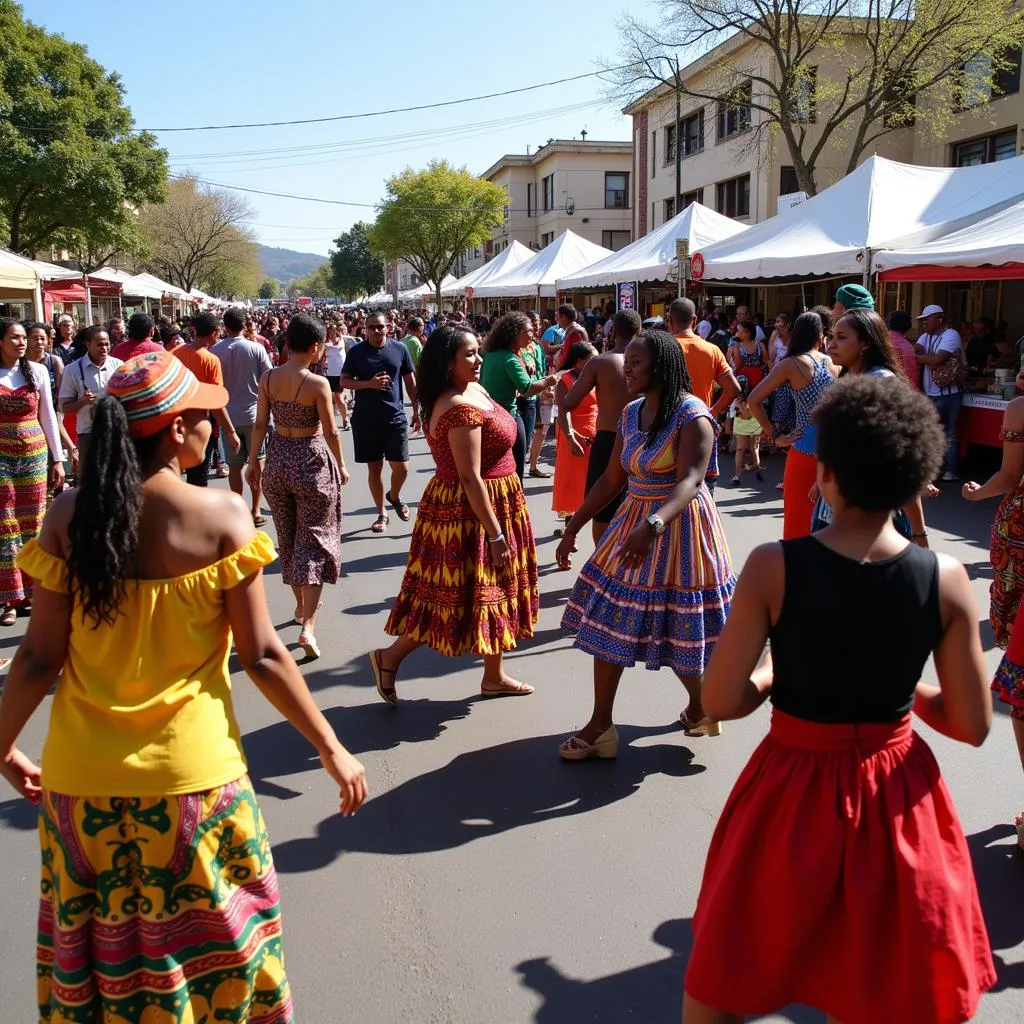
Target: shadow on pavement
<point>652,991</point>
<point>19,814</point>
<point>480,794</point>
<point>999,870</point>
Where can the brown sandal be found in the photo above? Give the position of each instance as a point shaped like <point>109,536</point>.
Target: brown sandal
<point>387,693</point>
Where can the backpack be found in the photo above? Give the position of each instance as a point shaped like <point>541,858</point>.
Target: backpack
<point>952,373</point>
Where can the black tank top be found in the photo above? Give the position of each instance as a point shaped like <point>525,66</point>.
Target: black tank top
<point>852,638</point>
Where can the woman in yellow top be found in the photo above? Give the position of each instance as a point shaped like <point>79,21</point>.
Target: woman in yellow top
<point>159,898</point>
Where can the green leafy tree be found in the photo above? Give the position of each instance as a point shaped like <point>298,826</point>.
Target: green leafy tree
<point>70,162</point>
<point>270,289</point>
<point>824,74</point>
<point>317,284</point>
<point>354,267</point>
<point>430,216</point>
<point>197,239</point>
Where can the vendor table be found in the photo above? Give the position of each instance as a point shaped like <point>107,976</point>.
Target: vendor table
<point>981,417</point>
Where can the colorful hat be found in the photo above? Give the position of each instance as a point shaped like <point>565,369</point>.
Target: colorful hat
<point>855,296</point>
<point>155,387</point>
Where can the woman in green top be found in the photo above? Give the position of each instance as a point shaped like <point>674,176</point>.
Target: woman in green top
<point>505,378</point>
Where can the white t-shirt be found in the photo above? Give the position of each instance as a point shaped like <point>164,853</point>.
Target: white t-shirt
<point>760,333</point>
<point>704,329</point>
<point>947,341</point>
<point>335,360</point>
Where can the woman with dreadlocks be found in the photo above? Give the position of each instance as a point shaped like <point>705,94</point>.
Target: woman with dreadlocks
<point>658,587</point>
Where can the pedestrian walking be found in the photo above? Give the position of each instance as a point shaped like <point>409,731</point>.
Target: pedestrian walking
<point>84,382</point>
<point>159,897</point>
<point>375,370</point>
<point>576,433</point>
<point>838,875</point>
<point>243,363</point>
<point>470,584</point>
<point>658,587</point>
<point>304,474</point>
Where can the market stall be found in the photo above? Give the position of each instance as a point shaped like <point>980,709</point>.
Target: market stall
<point>510,257</point>
<point>20,287</point>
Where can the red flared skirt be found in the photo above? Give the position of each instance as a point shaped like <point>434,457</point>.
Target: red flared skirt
<point>839,877</point>
<point>799,477</point>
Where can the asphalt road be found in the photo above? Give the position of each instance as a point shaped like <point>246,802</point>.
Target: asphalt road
<point>487,880</point>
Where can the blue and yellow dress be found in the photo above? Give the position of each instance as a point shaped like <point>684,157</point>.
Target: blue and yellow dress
<point>669,609</point>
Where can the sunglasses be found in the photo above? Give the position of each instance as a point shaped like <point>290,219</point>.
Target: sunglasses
<point>376,327</point>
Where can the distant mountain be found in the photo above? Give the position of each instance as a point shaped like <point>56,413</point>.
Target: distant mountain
<point>286,264</point>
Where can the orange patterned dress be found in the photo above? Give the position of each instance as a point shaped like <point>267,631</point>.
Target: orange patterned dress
<point>570,484</point>
<point>1007,555</point>
<point>452,597</point>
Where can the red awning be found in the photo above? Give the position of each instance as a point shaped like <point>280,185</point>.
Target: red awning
<point>930,272</point>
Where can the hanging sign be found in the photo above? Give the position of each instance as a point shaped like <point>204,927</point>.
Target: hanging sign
<point>626,295</point>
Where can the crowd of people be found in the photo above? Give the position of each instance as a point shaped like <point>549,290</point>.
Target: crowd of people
<point>141,577</point>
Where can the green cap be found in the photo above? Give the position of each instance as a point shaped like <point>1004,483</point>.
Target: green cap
<point>855,296</point>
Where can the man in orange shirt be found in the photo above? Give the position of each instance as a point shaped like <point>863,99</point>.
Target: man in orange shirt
<point>704,361</point>
<point>206,366</point>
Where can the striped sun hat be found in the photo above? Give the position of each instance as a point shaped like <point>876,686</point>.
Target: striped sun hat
<point>155,387</point>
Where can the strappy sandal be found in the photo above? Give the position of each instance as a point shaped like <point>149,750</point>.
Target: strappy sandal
<point>519,690</point>
<point>400,507</point>
<point>9,617</point>
<point>543,474</point>
<point>381,524</point>
<point>309,645</point>
<point>606,746</point>
<point>259,521</point>
<point>705,727</point>
<point>387,693</point>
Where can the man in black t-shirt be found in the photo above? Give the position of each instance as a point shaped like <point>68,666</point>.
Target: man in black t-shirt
<point>375,369</point>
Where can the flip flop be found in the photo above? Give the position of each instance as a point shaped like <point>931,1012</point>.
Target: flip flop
<point>522,690</point>
<point>401,509</point>
<point>387,693</point>
<point>705,727</point>
<point>259,521</point>
<point>381,524</point>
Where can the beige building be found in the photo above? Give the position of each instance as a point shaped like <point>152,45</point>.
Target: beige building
<point>585,186</point>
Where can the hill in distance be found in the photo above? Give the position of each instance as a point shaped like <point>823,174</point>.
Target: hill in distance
<point>286,264</point>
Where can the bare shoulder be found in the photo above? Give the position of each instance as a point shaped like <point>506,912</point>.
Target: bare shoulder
<point>954,583</point>
<point>765,564</point>
<point>54,535</point>
<point>225,515</point>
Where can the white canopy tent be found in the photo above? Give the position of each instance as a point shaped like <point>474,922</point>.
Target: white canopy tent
<point>20,283</point>
<point>130,284</point>
<point>167,289</point>
<point>649,258</point>
<point>45,271</point>
<point>512,256</point>
<point>566,255</point>
<point>426,291</point>
<point>993,241</point>
<point>835,233</point>
<point>380,298</point>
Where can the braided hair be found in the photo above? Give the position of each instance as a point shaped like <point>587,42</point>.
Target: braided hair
<point>6,323</point>
<point>104,530</point>
<point>668,367</point>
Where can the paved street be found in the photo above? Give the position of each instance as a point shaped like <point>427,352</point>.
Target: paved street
<point>486,880</point>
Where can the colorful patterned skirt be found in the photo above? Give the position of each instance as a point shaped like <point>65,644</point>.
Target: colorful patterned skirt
<point>23,453</point>
<point>1006,551</point>
<point>667,610</point>
<point>1008,684</point>
<point>159,909</point>
<point>452,597</point>
<point>838,876</point>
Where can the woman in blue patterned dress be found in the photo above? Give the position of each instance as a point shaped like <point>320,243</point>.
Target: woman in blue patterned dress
<point>657,588</point>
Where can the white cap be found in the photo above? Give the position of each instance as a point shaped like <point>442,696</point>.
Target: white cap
<point>931,311</point>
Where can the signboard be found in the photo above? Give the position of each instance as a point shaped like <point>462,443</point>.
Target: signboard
<point>682,249</point>
<point>697,266</point>
<point>791,200</point>
<point>626,295</point>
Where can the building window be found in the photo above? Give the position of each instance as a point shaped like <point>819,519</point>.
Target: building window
<point>670,144</point>
<point>546,239</point>
<point>692,137</point>
<point>548,185</point>
<point>1002,146</point>
<point>733,197</point>
<point>615,240</point>
<point>670,209</point>
<point>688,198</point>
<point>654,153</point>
<point>979,84</point>
<point>802,97</point>
<point>788,181</point>
<point>734,112</point>
<point>616,191</point>
<point>529,199</point>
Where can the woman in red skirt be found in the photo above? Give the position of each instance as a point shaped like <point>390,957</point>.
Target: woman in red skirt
<point>1009,687</point>
<point>838,875</point>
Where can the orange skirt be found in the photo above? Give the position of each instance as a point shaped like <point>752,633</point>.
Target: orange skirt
<point>839,877</point>
<point>570,484</point>
<point>797,508</point>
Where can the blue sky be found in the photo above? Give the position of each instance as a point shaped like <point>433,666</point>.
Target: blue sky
<point>228,61</point>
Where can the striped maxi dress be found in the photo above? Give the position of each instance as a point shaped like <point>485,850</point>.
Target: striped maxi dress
<point>669,609</point>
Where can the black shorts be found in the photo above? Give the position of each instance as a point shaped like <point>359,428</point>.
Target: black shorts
<point>375,442</point>
<point>335,383</point>
<point>600,456</point>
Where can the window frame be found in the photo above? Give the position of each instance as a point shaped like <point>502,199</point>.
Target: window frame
<point>689,198</point>
<point>733,184</point>
<point>548,188</point>
<point>671,146</point>
<point>624,191</point>
<point>609,242</point>
<point>727,109</point>
<point>989,142</point>
<point>698,116</point>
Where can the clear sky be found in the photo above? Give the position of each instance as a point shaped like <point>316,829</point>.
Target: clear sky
<point>200,62</point>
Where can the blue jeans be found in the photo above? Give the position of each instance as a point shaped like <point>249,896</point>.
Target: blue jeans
<point>527,408</point>
<point>948,408</point>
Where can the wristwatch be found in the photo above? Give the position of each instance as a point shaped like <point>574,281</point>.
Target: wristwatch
<point>657,524</point>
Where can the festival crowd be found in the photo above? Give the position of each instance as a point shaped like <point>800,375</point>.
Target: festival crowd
<point>158,886</point>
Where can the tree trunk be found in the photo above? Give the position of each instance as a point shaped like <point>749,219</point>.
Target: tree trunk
<point>437,294</point>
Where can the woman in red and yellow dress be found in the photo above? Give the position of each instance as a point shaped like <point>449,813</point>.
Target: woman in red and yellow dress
<point>471,581</point>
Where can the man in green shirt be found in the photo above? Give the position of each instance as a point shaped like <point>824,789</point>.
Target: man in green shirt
<point>413,340</point>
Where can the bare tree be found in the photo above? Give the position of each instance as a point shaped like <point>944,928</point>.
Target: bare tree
<point>197,234</point>
<point>886,64</point>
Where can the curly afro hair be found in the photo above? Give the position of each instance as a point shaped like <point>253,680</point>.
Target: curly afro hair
<point>882,440</point>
